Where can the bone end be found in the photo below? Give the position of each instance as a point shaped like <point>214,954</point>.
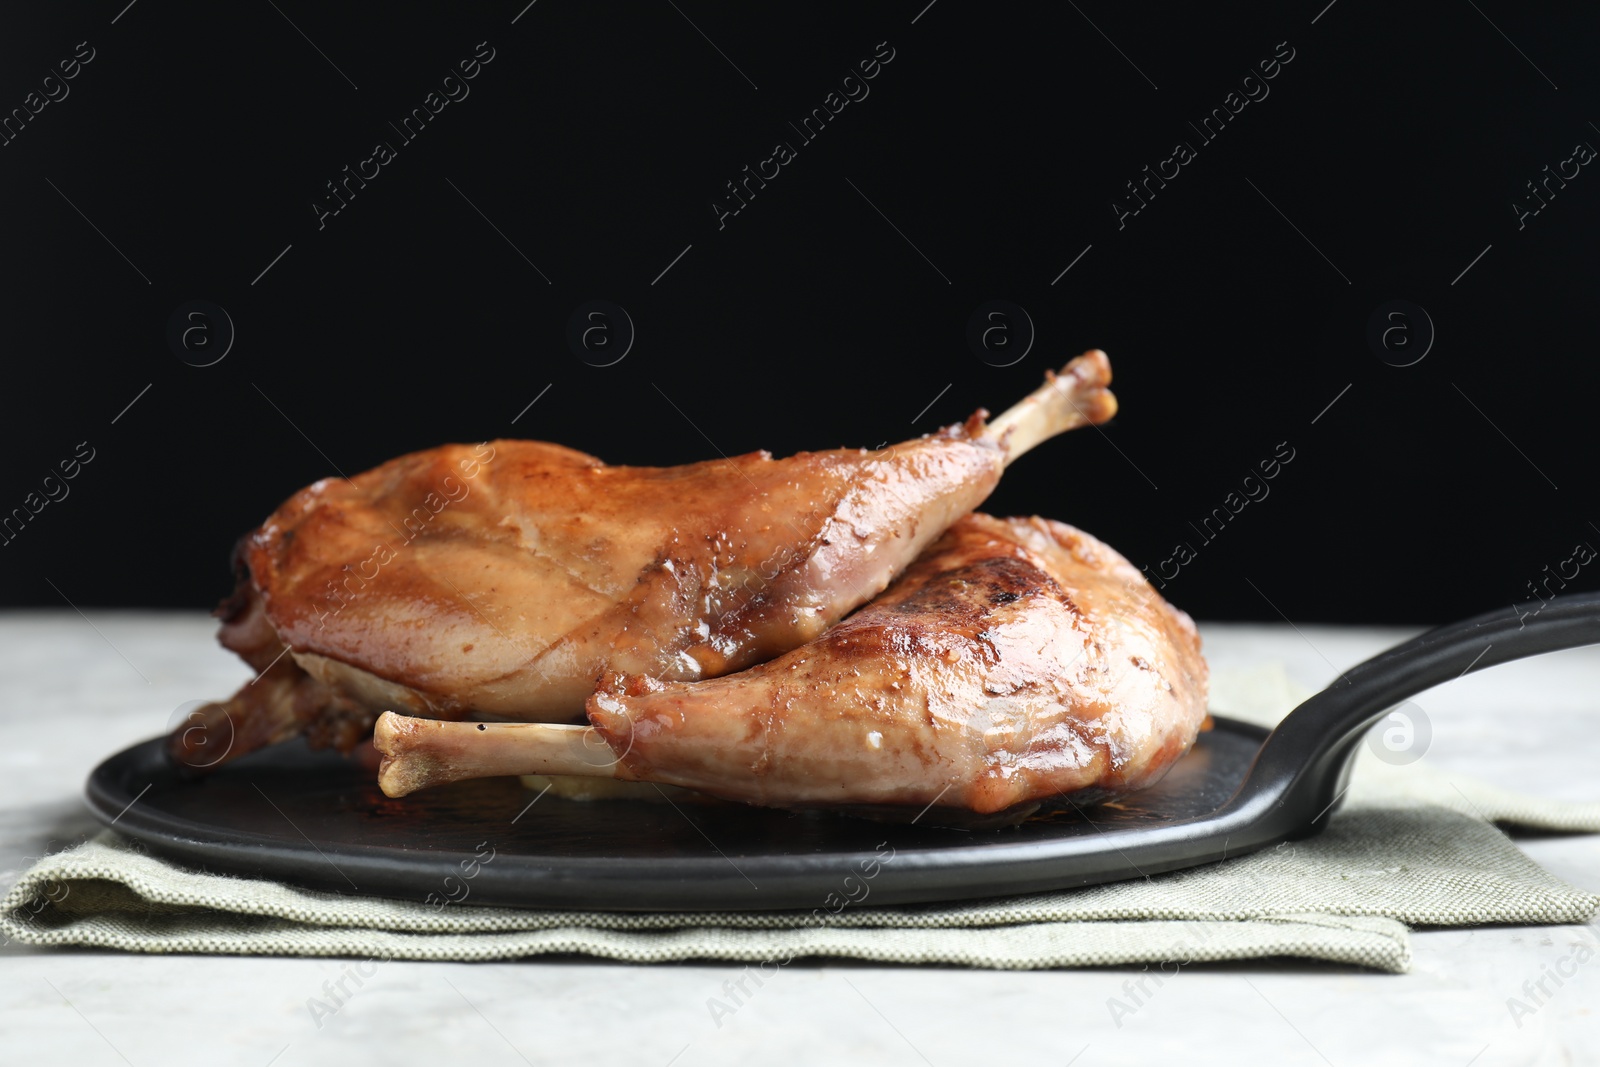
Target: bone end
<point>1092,370</point>
<point>407,765</point>
<point>1079,395</point>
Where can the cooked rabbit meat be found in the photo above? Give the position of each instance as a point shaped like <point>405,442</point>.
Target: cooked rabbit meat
<point>1017,660</point>
<point>501,581</point>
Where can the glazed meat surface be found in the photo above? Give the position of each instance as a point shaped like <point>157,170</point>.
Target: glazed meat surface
<point>1017,660</point>
<point>500,581</point>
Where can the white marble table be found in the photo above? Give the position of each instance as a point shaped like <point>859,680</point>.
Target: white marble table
<point>75,688</point>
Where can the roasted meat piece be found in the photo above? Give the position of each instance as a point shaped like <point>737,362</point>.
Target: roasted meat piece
<point>1017,660</point>
<point>501,581</point>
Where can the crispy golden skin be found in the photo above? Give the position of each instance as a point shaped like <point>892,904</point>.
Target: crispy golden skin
<point>1015,661</point>
<point>506,594</point>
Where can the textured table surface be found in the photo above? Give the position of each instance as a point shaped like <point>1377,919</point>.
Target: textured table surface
<point>74,688</point>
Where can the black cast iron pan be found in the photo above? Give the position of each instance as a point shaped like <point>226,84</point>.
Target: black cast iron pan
<point>318,821</point>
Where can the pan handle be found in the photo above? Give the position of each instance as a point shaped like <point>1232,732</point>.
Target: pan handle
<point>1303,767</point>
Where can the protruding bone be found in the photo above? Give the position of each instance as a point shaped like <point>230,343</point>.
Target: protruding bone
<point>1076,397</point>
<point>420,753</point>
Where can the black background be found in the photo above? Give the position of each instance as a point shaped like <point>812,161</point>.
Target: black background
<point>1234,306</point>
